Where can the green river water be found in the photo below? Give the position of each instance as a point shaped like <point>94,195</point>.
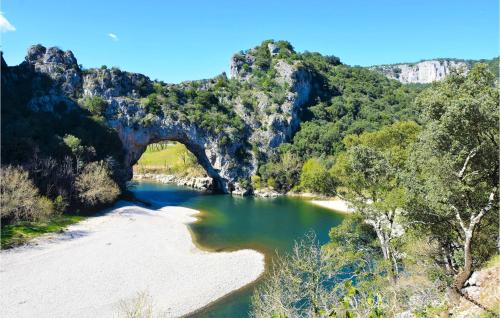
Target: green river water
<point>230,223</point>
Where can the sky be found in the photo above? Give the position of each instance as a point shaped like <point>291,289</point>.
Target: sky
<point>186,40</point>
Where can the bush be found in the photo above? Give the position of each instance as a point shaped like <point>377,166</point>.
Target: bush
<point>256,182</point>
<point>140,306</point>
<point>95,186</point>
<point>19,197</point>
<point>95,104</point>
<point>315,177</point>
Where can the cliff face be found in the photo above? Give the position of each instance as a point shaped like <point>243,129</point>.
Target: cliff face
<point>56,80</point>
<point>423,72</point>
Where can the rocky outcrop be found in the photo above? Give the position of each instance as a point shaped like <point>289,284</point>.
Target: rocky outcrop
<point>273,122</point>
<point>58,82</point>
<point>423,72</point>
<point>198,183</point>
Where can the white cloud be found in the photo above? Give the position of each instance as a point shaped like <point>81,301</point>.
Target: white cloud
<point>113,36</point>
<point>5,25</point>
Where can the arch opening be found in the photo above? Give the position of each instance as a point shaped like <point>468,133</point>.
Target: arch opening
<point>171,161</point>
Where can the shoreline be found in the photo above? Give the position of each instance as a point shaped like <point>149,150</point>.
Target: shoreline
<point>336,205</point>
<point>93,259</point>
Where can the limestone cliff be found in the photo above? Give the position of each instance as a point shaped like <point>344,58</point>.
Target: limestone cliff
<point>423,72</point>
<point>226,123</point>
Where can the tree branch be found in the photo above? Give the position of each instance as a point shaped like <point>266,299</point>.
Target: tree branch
<point>471,155</point>
<point>459,219</point>
<point>475,219</point>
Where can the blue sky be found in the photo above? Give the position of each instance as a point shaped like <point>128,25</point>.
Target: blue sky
<point>181,40</point>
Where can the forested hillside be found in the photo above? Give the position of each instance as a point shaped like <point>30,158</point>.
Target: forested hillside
<point>425,195</point>
<point>282,121</point>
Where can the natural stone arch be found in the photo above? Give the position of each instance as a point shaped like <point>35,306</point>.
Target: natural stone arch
<point>218,161</point>
<point>270,123</point>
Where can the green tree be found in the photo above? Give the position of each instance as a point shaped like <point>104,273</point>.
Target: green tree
<point>95,104</point>
<point>315,177</point>
<point>283,173</point>
<point>453,179</point>
<point>369,175</point>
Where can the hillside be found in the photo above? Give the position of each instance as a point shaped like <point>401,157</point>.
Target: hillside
<point>233,125</point>
<point>428,71</point>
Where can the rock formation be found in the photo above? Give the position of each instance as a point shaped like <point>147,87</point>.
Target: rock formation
<point>423,72</point>
<point>58,81</point>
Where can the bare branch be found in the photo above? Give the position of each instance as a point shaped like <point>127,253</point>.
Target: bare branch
<point>471,155</point>
<point>459,218</point>
<point>475,219</point>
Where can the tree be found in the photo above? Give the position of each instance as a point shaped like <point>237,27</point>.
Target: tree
<point>316,177</point>
<point>369,174</point>
<point>283,173</point>
<point>19,198</point>
<point>453,178</point>
<point>341,279</point>
<point>95,186</point>
<point>95,104</point>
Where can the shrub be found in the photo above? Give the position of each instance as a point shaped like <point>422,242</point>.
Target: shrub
<point>95,104</point>
<point>315,177</point>
<point>19,197</point>
<point>256,182</point>
<point>95,186</point>
<point>45,208</point>
<point>140,306</point>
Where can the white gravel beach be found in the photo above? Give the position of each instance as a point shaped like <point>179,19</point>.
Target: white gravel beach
<point>95,264</point>
<point>337,205</point>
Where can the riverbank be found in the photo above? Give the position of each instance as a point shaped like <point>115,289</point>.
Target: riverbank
<point>335,204</point>
<point>331,203</point>
<point>198,183</point>
<point>102,261</point>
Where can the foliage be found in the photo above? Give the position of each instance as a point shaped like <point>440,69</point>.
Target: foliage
<point>256,182</point>
<point>19,198</point>
<point>173,158</point>
<point>369,175</point>
<point>348,100</point>
<point>453,171</point>
<point>316,177</point>
<point>319,282</point>
<point>21,232</point>
<point>283,173</point>
<point>53,147</point>
<point>95,105</point>
<point>95,186</point>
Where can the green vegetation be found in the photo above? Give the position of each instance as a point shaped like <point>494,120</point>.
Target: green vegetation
<point>454,173</point>
<point>95,186</point>
<point>346,100</point>
<point>425,195</point>
<point>19,197</point>
<point>95,105</point>
<point>204,105</point>
<point>21,232</point>
<point>44,153</point>
<point>169,158</point>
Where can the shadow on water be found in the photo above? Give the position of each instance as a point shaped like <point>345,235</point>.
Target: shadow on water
<point>230,223</point>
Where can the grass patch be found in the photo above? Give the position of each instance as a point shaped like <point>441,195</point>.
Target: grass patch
<point>17,234</point>
<point>173,158</point>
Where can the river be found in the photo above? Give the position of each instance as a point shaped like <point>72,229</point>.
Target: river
<point>229,223</point>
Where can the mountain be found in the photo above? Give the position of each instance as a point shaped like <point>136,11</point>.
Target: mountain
<point>276,100</point>
<point>428,71</point>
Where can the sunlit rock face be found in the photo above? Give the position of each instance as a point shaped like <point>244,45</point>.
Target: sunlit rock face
<point>422,72</point>
<point>57,80</point>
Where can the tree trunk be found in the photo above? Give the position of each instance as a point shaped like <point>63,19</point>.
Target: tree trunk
<point>465,273</point>
<point>386,251</point>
